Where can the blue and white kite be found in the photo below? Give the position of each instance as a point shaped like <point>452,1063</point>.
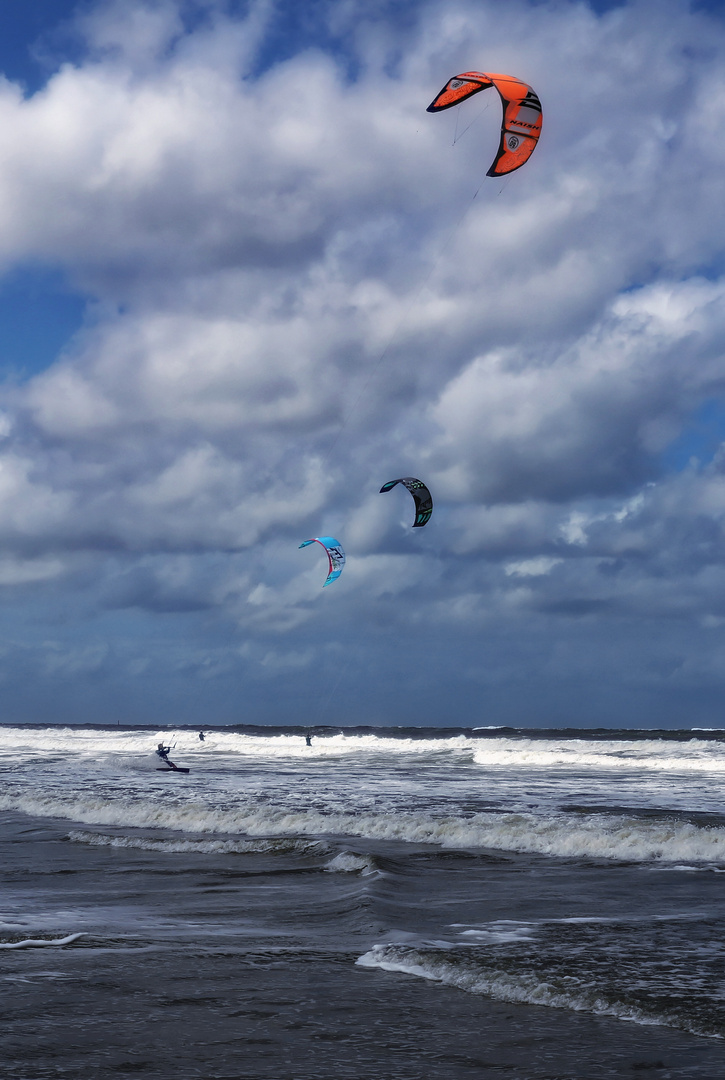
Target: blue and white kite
<point>334,553</point>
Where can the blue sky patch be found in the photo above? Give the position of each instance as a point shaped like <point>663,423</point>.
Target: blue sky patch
<point>700,439</point>
<point>38,316</point>
<point>26,27</point>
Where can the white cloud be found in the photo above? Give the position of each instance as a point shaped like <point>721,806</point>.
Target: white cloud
<point>295,297</point>
<point>532,567</point>
<point>24,571</point>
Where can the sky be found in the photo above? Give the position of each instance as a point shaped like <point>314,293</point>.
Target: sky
<point>246,279</point>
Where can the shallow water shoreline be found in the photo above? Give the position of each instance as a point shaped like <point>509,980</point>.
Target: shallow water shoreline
<point>192,966</point>
<point>380,904</point>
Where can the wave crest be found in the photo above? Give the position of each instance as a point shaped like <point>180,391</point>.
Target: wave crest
<point>598,836</point>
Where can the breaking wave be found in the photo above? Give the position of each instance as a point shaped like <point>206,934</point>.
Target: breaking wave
<point>201,847</point>
<point>347,862</point>
<point>125,747</point>
<point>554,990</point>
<point>599,836</point>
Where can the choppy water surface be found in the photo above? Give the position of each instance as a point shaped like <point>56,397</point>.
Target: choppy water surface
<point>405,903</point>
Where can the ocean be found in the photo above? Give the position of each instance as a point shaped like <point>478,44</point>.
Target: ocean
<point>384,904</point>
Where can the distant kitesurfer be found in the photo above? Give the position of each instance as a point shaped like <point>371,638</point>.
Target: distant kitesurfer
<point>163,752</point>
<point>308,739</point>
<point>202,736</point>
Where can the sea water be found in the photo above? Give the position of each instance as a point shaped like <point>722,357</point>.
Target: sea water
<point>383,903</point>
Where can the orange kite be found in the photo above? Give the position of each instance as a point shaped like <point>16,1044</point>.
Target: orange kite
<point>521,124</point>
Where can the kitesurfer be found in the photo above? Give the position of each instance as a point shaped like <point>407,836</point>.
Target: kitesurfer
<point>163,752</point>
<point>202,736</point>
<point>308,739</point>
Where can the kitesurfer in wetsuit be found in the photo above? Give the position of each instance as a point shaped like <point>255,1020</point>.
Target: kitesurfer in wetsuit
<point>163,752</point>
<point>308,739</point>
<point>202,736</point>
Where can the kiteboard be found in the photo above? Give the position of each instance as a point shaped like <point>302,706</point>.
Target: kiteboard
<point>178,768</point>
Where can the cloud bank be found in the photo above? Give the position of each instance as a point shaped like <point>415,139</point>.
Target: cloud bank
<point>301,286</point>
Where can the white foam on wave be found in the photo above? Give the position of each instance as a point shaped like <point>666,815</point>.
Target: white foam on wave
<point>134,749</point>
<point>651,755</point>
<point>686,868</point>
<point>600,836</point>
<point>498,933</point>
<point>200,847</point>
<point>267,747</point>
<point>39,943</point>
<point>522,988</point>
<point>347,862</point>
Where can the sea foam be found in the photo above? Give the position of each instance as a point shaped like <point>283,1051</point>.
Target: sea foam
<point>347,862</point>
<point>599,836</point>
<point>201,847</point>
<point>523,988</point>
<point>39,943</point>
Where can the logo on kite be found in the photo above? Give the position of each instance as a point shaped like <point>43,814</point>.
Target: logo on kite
<point>335,554</point>
<point>521,124</point>
<point>421,496</point>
